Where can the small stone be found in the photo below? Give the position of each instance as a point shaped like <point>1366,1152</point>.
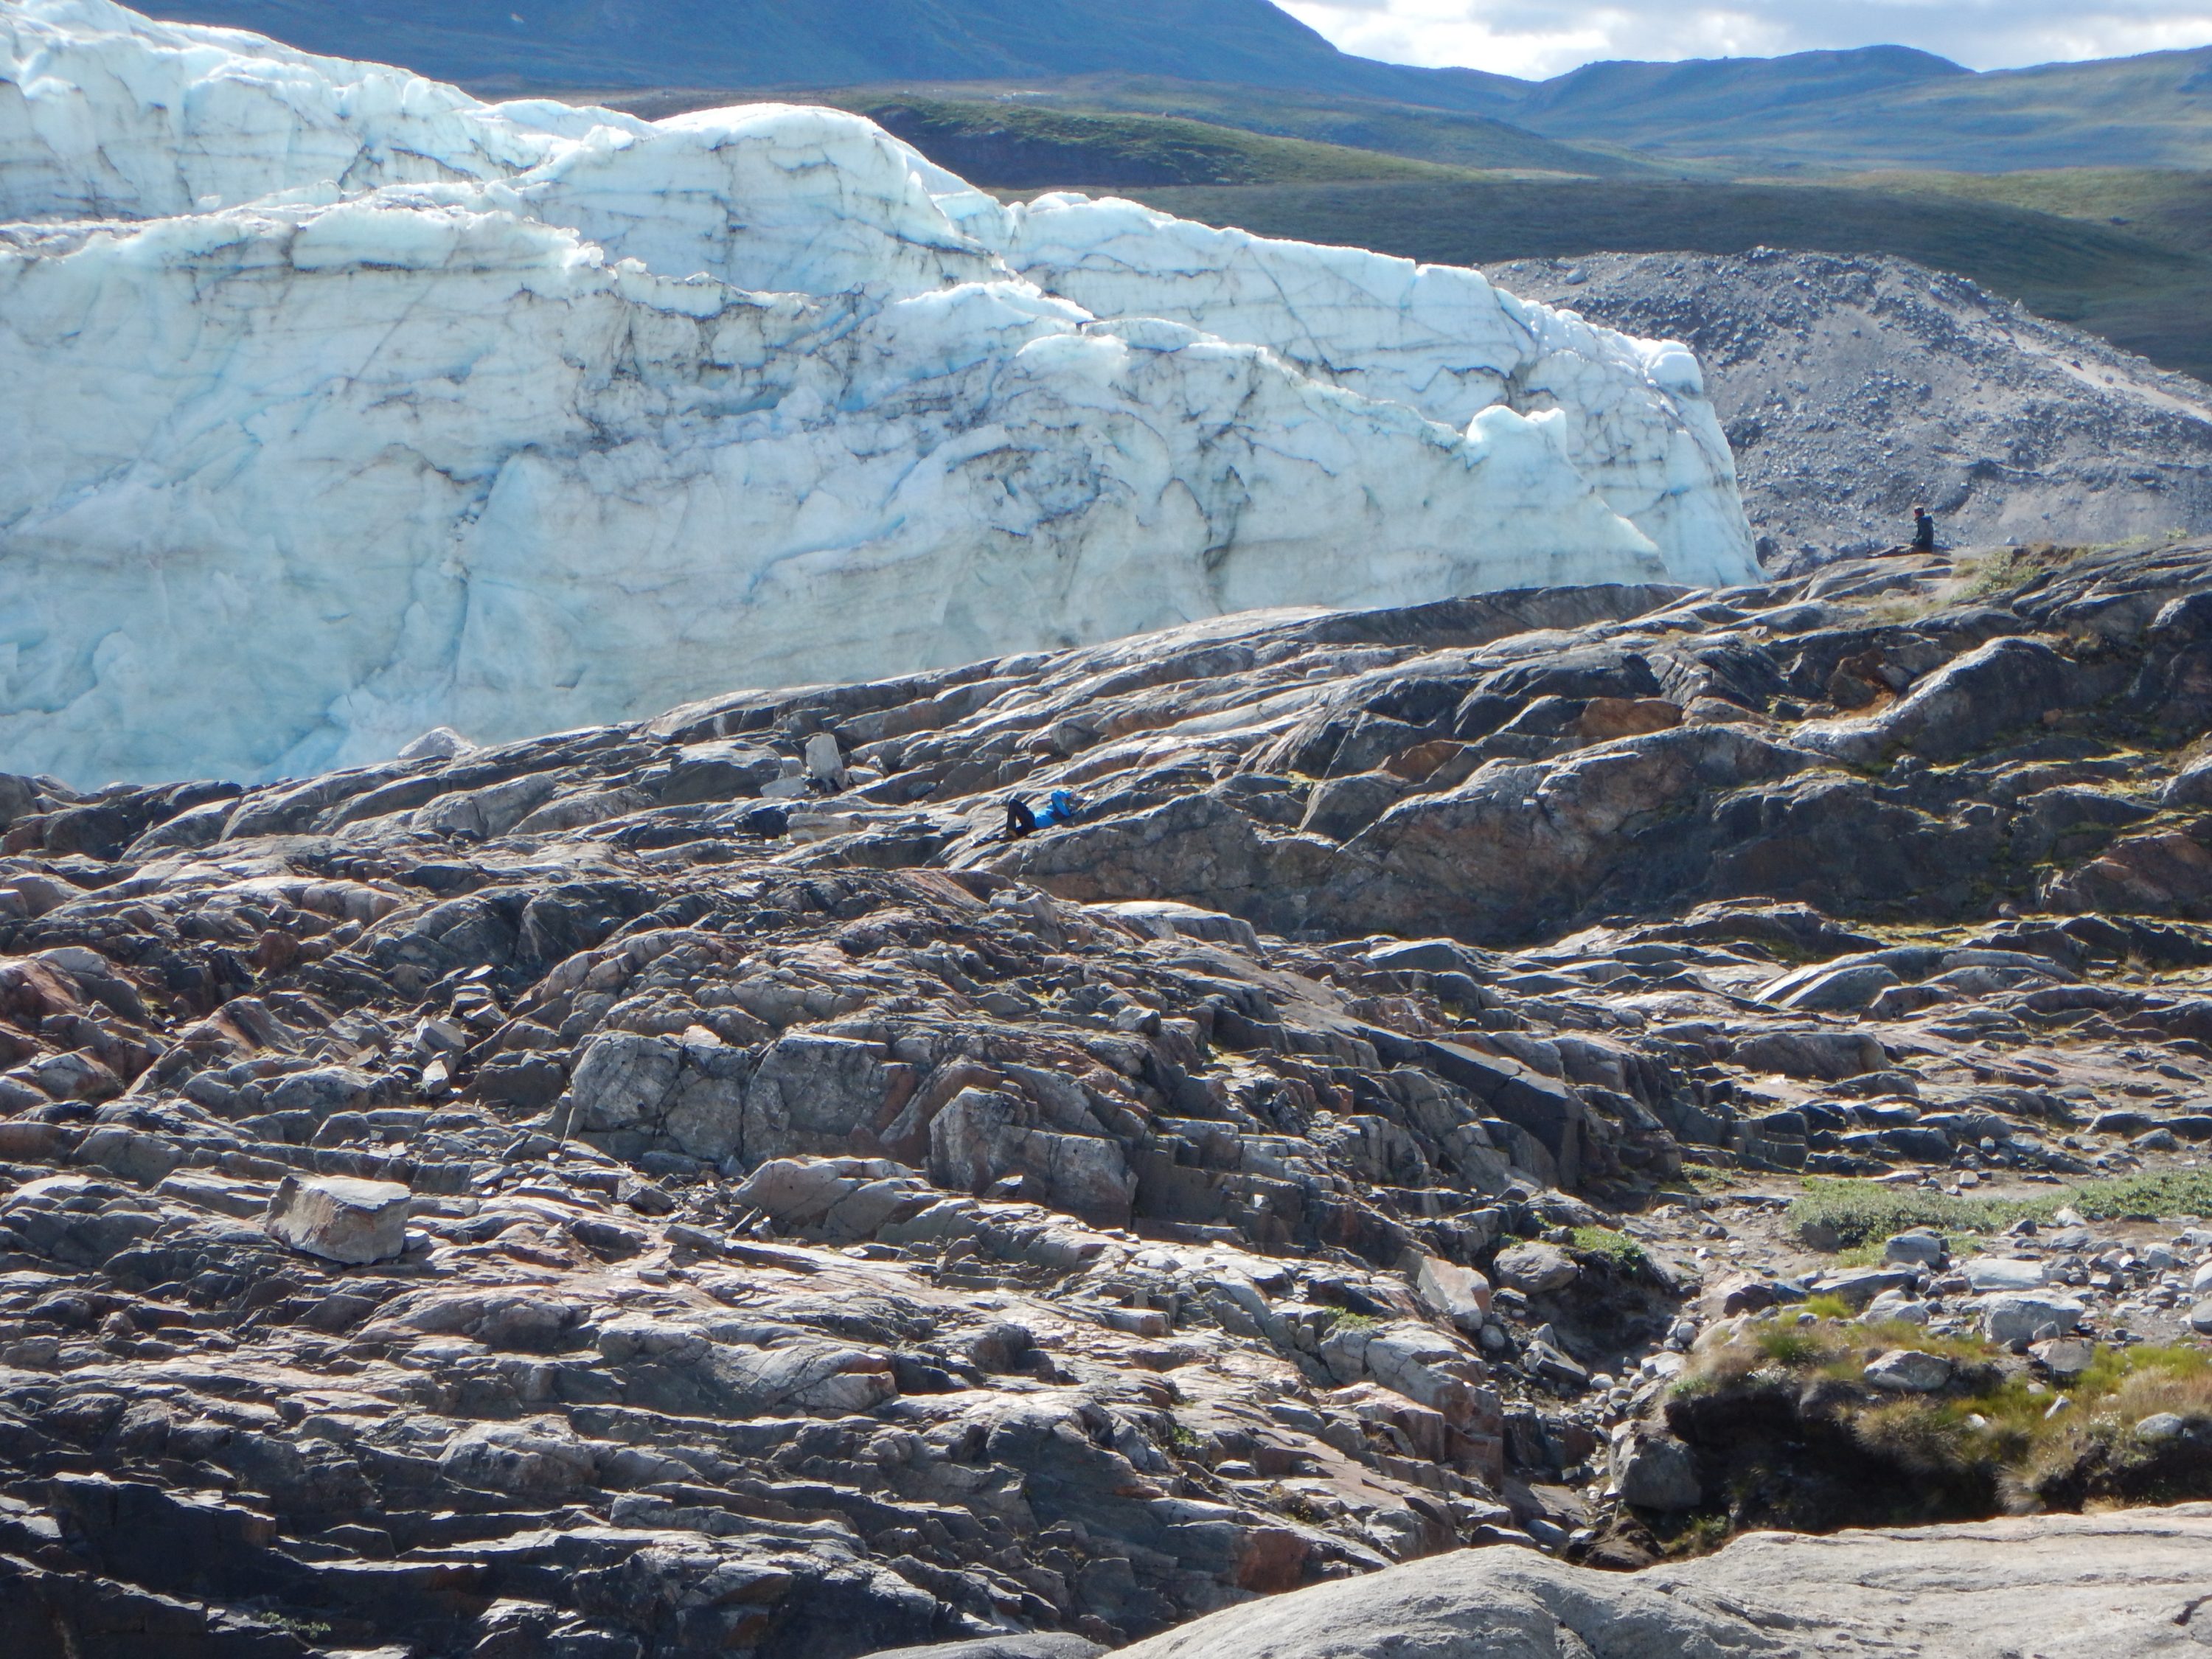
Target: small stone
<point>439,743</point>
<point>2064,1356</point>
<point>1857,1287</point>
<point>824,759</point>
<point>2002,1272</point>
<point>2020,1318</point>
<point>1908,1370</point>
<point>1919,1247</point>
<point>1899,1305</point>
<point>1744,1295</point>
<point>2162,1426</point>
<point>1451,1292</point>
<point>2200,1318</point>
<point>646,1197</point>
<point>339,1219</point>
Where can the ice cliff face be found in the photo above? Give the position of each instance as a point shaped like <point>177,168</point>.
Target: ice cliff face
<point>346,405</point>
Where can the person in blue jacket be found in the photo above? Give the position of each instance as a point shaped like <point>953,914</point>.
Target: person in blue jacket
<point>1061,807</point>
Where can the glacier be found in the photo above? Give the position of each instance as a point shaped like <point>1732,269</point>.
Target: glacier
<point>344,406</point>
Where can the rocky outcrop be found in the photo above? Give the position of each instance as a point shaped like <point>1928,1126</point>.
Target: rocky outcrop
<point>696,1185</point>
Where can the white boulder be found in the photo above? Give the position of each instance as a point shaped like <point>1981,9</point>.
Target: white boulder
<point>1908,1370</point>
<point>340,1219</point>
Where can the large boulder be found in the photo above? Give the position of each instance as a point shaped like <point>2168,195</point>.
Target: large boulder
<point>1535,1268</point>
<point>811,1093</point>
<point>2166,873</point>
<point>1656,1472</point>
<point>631,1093</point>
<point>1452,1292</point>
<point>1519,849</point>
<point>1823,1056</point>
<point>339,1219</point>
<point>2002,1272</point>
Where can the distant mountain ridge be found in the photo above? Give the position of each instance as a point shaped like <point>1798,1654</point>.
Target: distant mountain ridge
<point>823,43</point>
<point>1871,106</point>
<point>1623,88</point>
<point>1888,105</point>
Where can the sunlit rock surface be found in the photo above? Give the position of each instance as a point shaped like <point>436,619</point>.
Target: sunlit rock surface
<point>360,407</point>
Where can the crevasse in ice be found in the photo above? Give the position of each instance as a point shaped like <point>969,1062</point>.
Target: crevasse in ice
<point>344,405</point>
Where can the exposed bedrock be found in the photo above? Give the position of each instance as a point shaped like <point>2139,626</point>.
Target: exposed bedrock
<point>696,1186</point>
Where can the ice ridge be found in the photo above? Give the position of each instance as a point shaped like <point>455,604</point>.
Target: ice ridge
<point>356,406</point>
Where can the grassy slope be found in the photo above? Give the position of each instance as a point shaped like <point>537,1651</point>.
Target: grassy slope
<point>1448,137</point>
<point>2164,313</point>
<point>2149,111</point>
<point>2122,113</point>
<point>1019,145</point>
<point>1110,117</point>
<point>2167,205</point>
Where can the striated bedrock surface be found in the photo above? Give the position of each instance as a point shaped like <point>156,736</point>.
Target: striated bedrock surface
<point>2065,1587</point>
<point>684,1188</point>
<point>364,406</point>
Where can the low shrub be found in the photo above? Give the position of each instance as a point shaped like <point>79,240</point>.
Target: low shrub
<point>1861,1213</point>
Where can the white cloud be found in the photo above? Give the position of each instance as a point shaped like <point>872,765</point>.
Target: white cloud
<point>1533,38</point>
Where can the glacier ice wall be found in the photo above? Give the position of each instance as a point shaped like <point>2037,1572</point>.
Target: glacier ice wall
<point>349,406</point>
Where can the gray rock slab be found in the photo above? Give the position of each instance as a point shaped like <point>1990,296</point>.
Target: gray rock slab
<point>2061,1587</point>
<point>1034,1646</point>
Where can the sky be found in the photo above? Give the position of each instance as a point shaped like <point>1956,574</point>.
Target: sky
<point>1539,37</point>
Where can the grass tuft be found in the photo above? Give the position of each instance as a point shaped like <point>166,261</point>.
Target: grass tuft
<point>1616,1248</point>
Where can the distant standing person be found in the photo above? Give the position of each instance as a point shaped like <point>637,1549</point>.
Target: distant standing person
<point>1923,531</point>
